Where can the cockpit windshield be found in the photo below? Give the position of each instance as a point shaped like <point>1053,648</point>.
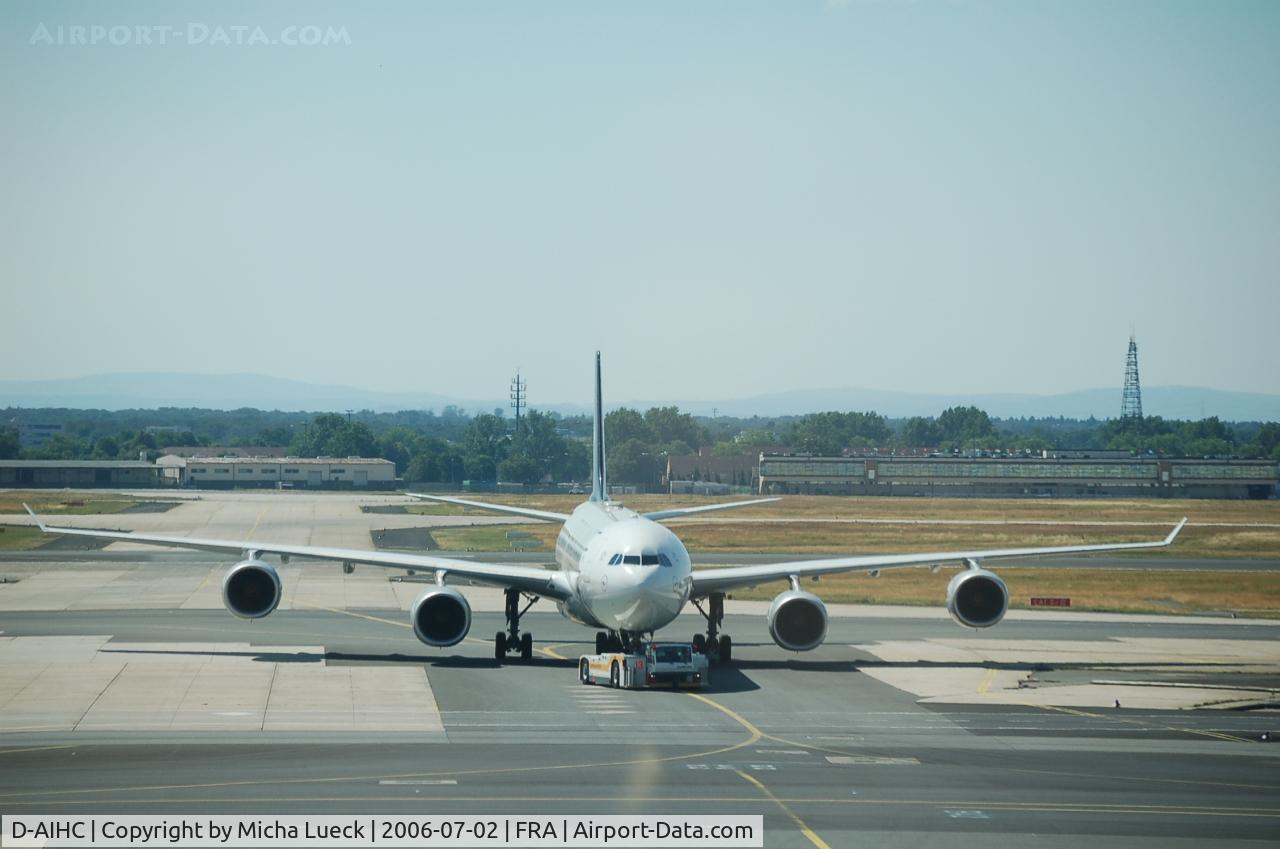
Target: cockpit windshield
<point>640,560</point>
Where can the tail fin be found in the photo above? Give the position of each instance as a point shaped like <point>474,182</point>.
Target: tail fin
<point>598,490</point>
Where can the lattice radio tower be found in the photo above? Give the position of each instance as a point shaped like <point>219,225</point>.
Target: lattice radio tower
<point>1131,403</point>
<point>518,401</point>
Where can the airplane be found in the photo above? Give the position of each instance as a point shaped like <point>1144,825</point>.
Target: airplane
<point>619,571</point>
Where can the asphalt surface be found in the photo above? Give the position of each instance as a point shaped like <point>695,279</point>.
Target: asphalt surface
<point>829,755</point>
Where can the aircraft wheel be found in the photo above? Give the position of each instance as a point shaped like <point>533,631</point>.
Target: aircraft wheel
<point>602,642</point>
<point>526,646</point>
<point>584,671</point>
<point>500,646</point>
<point>726,648</point>
<point>699,643</point>
<point>615,676</point>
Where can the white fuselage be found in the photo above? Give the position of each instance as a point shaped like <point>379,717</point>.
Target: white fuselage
<point>629,573</point>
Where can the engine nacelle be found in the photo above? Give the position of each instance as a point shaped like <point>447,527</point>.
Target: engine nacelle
<point>977,598</point>
<point>798,620</point>
<point>441,617</point>
<point>251,589</point>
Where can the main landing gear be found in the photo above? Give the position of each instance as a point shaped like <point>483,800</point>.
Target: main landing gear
<point>713,644</point>
<point>512,640</point>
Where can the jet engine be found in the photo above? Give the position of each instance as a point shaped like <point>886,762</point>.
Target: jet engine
<point>441,617</point>
<point>251,589</point>
<point>977,598</point>
<point>797,620</point>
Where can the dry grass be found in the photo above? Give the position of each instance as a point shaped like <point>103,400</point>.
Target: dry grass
<point>494,537</point>
<point>831,538</point>
<point>811,524</point>
<point>18,538</point>
<point>59,503</point>
<point>800,537</point>
<point>430,508</point>
<point>824,507</point>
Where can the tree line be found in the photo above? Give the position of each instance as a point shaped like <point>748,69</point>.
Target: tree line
<point>453,447</point>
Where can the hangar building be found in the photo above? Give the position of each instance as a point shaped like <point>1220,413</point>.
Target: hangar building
<point>1140,477</point>
<point>79,473</point>
<point>330,472</point>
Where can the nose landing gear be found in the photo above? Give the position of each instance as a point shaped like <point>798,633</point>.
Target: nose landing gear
<point>512,640</point>
<point>717,646</point>
<point>618,641</point>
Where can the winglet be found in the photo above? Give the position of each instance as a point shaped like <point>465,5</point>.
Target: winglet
<point>1174,533</point>
<point>39,523</point>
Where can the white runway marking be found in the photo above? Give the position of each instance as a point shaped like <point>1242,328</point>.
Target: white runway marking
<point>871,760</point>
<point>424,781</point>
<point>600,702</point>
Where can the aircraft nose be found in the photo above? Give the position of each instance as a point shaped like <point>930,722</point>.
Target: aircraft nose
<point>663,581</point>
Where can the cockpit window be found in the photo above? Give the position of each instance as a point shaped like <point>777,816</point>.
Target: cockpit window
<point>640,560</point>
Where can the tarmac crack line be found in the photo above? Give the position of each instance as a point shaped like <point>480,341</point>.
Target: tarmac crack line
<point>34,678</point>
<point>266,706</point>
<point>101,693</point>
<point>186,692</point>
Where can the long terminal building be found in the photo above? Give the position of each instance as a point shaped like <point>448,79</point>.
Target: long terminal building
<point>203,472</point>
<point>1131,477</point>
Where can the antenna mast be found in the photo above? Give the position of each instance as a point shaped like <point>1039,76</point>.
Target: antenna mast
<point>518,399</point>
<point>1131,403</point>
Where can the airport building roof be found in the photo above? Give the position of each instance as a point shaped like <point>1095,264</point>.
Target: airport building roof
<point>301,461</point>
<point>76,464</point>
<point>255,451</point>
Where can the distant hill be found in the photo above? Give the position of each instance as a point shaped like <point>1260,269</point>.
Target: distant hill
<point>148,390</point>
<point>1171,402</point>
<point>143,390</point>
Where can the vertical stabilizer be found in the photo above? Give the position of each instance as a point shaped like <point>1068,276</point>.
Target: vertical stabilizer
<point>598,491</point>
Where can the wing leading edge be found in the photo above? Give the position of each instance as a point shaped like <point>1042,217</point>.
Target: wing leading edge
<point>545,515</point>
<point>718,580</point>
<point>543,582</point>
<point>706,508</point>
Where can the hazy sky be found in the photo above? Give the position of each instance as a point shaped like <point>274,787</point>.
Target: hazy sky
<point>727,198</point>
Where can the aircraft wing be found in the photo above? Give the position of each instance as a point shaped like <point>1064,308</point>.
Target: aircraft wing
<point>719,580</point>
<point>706,508</point>
<point>530,579</point>
<point>500,508</point>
